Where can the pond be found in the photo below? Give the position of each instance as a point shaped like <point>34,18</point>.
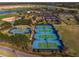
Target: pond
<point>6,12</point>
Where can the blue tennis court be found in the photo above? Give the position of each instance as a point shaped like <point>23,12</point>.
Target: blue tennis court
<point>42,26</point>
<point>46,37</point>
<point>51,17</point>
<point>19,31</point>
<point>46,45</point>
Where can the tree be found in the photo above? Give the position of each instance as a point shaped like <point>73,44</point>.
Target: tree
<point>23,22</point>
<point>20,40</point>
<point>5,25</point>
<point>4,37</point>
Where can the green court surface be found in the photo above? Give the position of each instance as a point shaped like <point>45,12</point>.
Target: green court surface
<point>48,30</point>
<point>43,27</point>
<point>52,45</point>
<point>20,30</point>
<point>45,36</point>
<point>47,45</point>
<point>42,45</point>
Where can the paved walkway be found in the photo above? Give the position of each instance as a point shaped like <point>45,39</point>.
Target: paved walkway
<point>18,53</point>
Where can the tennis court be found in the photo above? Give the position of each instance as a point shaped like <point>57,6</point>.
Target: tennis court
<point>47,45</point>
<point>46,37</point>
<point>20,31</point>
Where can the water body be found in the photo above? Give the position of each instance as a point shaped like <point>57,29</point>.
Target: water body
<point>6,12</point>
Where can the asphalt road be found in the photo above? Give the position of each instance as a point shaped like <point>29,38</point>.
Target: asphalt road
<point>18,53</point>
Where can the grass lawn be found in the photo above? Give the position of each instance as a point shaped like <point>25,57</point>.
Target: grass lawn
<point>6,16</point>
<point>1,22</point>
<point>70,36</point>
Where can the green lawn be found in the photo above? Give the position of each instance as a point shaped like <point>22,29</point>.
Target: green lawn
<point>1,22</point>
<point>6,16</point>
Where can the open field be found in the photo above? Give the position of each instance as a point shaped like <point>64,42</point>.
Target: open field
<point>70,36</point>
